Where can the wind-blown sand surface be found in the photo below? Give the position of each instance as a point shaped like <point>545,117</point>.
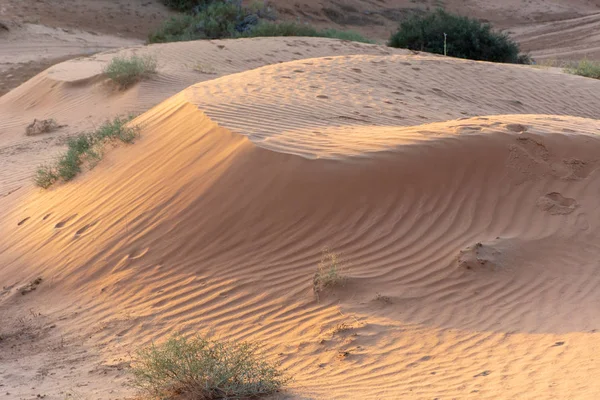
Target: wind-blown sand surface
<point>463,196</point>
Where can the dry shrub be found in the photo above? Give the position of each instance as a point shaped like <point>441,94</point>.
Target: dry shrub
<point>204,369</point>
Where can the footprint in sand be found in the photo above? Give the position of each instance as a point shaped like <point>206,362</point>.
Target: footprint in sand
<point>23,221</point>
<point>479,256</point>
<point>517,128</point>
<point>46,216</point>
<point>86,229</point>
<point>139,253</point>
<point>65,222</point>
<point>556,204</point>
<point>124,261</point>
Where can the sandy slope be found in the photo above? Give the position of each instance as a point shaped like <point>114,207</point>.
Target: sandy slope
<point>462,195</point>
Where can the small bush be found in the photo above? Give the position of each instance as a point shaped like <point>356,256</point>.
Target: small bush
<point>125,71</point>
<point>329,272</point>
<point>587,68</point>
<point>467,38</point>
<point>85,148</point>
<point>200,368</point>
<point>45,176</point>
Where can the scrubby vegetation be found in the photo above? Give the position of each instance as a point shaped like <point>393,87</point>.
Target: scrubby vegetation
<point>295,29</point>
<point>466,38</point>
<point>85,148</point>
<point>187,5</point>
<point>200,368</point>
<point>330,272</point>
<point>587,68</point>
<point>125,71</point>
<point>229,19</point>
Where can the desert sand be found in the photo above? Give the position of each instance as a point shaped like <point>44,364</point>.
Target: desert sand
<point>461,195</point>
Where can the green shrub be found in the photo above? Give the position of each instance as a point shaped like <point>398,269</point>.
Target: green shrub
<point>587,68</point>
<point>295,29</point>
<point>200,368</point>
<point>467,38</point>
<point>125,71</point>
<point>85,148</point>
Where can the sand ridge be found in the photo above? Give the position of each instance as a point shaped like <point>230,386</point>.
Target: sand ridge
<point>462,196</point>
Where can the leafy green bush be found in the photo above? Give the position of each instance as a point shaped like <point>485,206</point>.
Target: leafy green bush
<point>587,68</point>
<point>200,368</point>
<point>125,71</point>
<point>467,38</point>
<point>295,29</point>
<point>85,148</point>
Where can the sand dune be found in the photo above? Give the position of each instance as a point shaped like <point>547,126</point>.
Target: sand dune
<point>462,196</point>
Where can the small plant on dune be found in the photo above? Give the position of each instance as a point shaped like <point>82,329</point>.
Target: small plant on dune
<point>466,38</point>
<point>45,176</point>
<point>330,272</point>
<point>200,368</point>
<point>125,71</point>
<point>587,68</point>
<point>85,148</point>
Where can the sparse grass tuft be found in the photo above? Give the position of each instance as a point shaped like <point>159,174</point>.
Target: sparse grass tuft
<point>125,71</point>
<point>45,176</point>
<point>85,148</point>
<point>587,68</point>
<point>329,272</point>
<point>200,368</point>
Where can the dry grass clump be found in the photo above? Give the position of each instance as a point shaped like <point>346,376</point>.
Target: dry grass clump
<point>330,272</point>
<point>40,126</point>
<point>587,68</point>
<point>85,148</point>
<point>125,71</point>
<point>203,369</point>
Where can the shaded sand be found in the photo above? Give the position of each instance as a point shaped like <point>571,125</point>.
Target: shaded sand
<point>463,204</point>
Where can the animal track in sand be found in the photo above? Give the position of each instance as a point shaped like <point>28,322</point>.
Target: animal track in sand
<point>480,256</point>
<point>518,128</point>
<point>556,204</point>
<point>86,229</point>
<point>23,221</point>
<point>46,216</point>
<point>65,222</point>
<point>139,253</point>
